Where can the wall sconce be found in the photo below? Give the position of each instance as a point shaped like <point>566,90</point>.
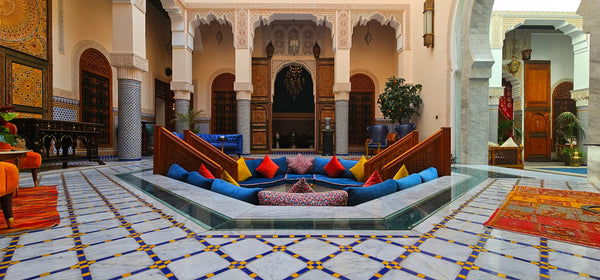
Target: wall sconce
<point>428,23</point>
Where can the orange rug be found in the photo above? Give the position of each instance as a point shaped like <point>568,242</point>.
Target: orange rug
<point>555,214</point>
<point>33,208</point>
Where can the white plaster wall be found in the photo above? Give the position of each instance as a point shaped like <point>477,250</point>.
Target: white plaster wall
<point>83,20</point>
<point>431,66</point>
<point>213,59</point>
<point>379,59</point>
<point>558,50</point>
<point>496,79</point>
<point>581,72</point>
<point>158,35</point>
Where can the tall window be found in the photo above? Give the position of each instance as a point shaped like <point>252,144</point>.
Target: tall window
<point>95,100</point>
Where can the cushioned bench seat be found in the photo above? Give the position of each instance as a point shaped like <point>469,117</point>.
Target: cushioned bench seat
<point>291,178</point>
<point>336,183</point>
<point>258,182</point>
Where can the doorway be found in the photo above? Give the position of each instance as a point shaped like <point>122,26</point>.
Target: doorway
<point>293,109</point>
<point>361,109</point>
<point>538,142</point>
<point>224,105</point>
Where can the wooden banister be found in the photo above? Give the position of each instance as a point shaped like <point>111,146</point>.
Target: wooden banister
<point>398,148</point>
<point>169,149</point>
<point>433,151</point>
<point>228,164</point>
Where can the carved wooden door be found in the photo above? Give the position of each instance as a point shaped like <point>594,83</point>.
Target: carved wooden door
<point>260,109</point>
<point>325,107</point>
<point>361,109</point>
<point>224,105</point>
<point>96,93</point>
<point>537,111</point>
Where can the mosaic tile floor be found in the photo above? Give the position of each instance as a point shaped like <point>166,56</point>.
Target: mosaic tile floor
<point>110,230</point>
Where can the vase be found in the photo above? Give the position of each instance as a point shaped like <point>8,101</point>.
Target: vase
<point>404,129</point>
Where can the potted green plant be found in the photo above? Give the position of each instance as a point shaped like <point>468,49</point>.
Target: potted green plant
<point>189,118</point>
<point>400,102</point>
<point>509,125</point>
<point>7,139</point>
<point>569,127</point>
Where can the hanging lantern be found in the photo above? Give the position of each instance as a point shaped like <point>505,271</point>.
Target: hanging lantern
<point>513,66</point>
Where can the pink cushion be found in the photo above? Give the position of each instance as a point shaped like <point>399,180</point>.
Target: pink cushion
<point>332,198</point>
<point>334,168</point>
<point>374,179</point>
<point>267,167</point>
<point>300,164</point>
<point>301,187</point>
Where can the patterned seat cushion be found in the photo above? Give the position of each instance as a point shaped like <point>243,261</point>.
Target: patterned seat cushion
<point>332,198</point>
<point>300,164</point>
<point>301,187</point>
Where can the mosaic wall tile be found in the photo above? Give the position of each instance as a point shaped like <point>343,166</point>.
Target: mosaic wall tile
<point>23,26</point>
<point>27,85</point>
<point>64,114</point>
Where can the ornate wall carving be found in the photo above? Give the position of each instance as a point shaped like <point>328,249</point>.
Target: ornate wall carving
<point>241,29</point>
<point>344,31</point>
<point>26,85</point>
<point>23,27</point>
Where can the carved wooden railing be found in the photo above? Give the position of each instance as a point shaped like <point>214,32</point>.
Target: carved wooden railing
<point>169,149</point>
<point>390,153</point>
<point>433,151</point>
<point>212,152</point>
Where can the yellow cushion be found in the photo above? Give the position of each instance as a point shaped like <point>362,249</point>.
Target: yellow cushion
<point>243,170</point>
<point>401,173</point>
<point>227,178</point>
<point>358,170</point>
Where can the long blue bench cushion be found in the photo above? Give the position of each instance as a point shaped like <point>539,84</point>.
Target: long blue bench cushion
<point>347,164</point>
<point>428,174</point>
<point>249,195</point>
<point>336,183</point>
<point>180,135</point>
<point>408,181</point>
<point>282,163</point>
<point>199,181</point>
<point>177,172</point>
<point>233,143</point>
<point>293,178</point>
<point>252,165</point>
<point>358,195</point>
<point>319,166</point>
<point>262,183</point>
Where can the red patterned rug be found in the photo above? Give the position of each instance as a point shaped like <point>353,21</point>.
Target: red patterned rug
<point>33,208</point>
<point>555,214</point>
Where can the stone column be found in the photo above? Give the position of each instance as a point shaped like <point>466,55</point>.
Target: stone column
<point>129,52</point>
<point>588,10</point>
<point>183,93</point>
<point>129,75</point>
<point>243,98</point>
<point>582,102</point>
<point>494,99</point>
<point>341,86</point>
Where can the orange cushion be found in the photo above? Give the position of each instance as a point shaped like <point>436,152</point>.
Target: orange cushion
<point>374,179</point>
<point>12,176</point>
<point>267,167</point>
<point>12,129</point>
<point>33,160</point>
<point>334,168</point>
<point>2,182</point>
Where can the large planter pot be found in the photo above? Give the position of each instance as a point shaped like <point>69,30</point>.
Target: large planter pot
<point>404,129</point>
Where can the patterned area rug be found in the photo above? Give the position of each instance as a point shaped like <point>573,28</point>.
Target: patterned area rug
<point>554,214</point>
<point>33,208</point>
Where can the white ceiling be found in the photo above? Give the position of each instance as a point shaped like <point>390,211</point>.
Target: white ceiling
<point>537,5</point>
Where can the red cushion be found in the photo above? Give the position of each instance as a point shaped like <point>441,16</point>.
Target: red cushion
<point>334,168</point>
<point>204,172</point>
<point>267,167</point>
<point>374,179</point>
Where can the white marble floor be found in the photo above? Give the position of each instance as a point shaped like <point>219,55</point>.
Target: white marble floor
<point>111,230</point>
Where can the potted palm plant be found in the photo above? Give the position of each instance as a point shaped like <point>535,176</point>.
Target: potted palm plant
<point>570,128</point>
<point>400,102</point>
<point>189,118</point>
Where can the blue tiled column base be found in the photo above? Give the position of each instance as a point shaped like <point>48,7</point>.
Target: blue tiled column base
<point>130,120</point>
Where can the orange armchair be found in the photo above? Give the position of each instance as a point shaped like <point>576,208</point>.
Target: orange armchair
<point>9,182</point>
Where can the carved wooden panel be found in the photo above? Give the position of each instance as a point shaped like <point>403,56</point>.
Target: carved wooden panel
<point>94,61</point>
<point>325,110</point>
<point>537,84</point>
<point>259,126</point>
<point>325,79</point>
<point>261,78</point>
<point>361,109</point>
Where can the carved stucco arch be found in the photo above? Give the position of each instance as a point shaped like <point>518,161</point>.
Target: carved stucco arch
<point>393,18</point>
<point>75,58</point>
<point>198,17</point>
<point>278,65</point>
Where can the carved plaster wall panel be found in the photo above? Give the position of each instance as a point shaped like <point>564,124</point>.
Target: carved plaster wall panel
<point>241,29</point>
<point>343,33</point>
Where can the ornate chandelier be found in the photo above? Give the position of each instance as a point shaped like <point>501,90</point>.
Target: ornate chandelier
<point>294,80</point>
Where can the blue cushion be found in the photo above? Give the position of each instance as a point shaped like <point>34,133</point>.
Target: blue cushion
<point>262,182</point>
<point>282,163</point>
<point>358,195</point>
<point>293,178</point>
<point>180,135</point>
<point>408,181</point>
<point>199,181</point>
<point>336,183</point>
<point>319,165</point>
<point>233,191</point>
<point>347,164</point>
<point>428,174</point>
<point>177,172</point>
<point>252,165</point>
